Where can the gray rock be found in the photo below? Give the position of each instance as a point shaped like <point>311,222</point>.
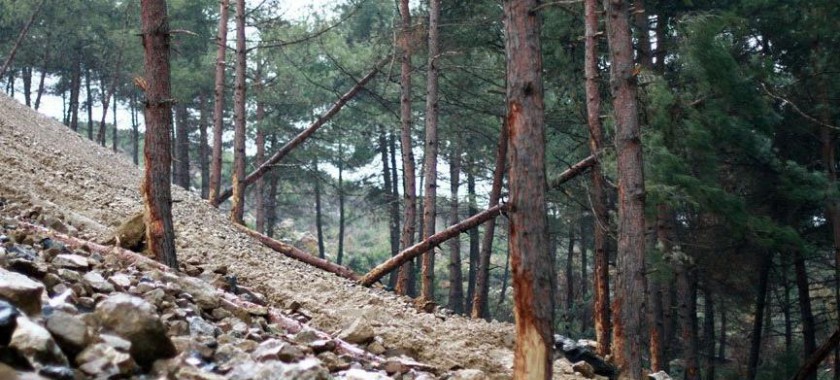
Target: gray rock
<point>333,362</point>
<point>103,361</point>
<point>8,322</point>
<point>359,332</point>
<point>120,344</point>
<point>307,369</point>
<point>69,275</point>
<point>468,374</point>
<point>20,291</point>
<point>120,280</point>
<point>200,327</point>
<point>36,344</point>
<point>69,331</point>
<point>155,296</point>
<point>203,293</point>
<point>134,319</point>
<point>275,349</point>
<point>98,283</point>
<point>71,261</point>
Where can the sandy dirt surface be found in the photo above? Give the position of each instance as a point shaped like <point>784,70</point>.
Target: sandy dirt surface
<point>43,163</point>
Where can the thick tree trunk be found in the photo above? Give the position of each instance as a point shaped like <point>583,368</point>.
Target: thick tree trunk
<point>21,36</point>
<point>272,161</point>
<point>218,105</point>
<point>758,316</point>
<point>532,265</point>
<point>89,103</point>
<point>160,234</point>
<point>809,339</point>
<point>629,303</point>
<point>472,209</point>
<point>182,147</point>
<point>409,185</point>
<point>237,207</point>
<point>75,89</point>
<point>433,241</point>
<point>456,281</point>
<point>203,146</point>
<point>480,303</point>
<point>431,151</point>
<point>319,223</point>
<point>106,99</point>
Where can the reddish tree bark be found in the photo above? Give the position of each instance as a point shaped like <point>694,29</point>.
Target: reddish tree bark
<point>409,183</point>
<point>480,303</point>
<point>237,207</point>
<point>160,235</point>
<point>431,151</point>
<point>531,263</point>
<point>218,105</point>
<point>629,303</point>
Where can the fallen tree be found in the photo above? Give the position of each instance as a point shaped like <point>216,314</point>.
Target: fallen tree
<point>300,255</point>
<point>302,136</point>
<point>574,170</point>
<point>424,246</point>
<point>811,364</point>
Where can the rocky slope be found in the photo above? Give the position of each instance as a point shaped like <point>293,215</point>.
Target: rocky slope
<point>59,179</point>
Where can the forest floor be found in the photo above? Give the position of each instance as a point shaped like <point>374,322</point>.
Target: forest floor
<point>43,163</point>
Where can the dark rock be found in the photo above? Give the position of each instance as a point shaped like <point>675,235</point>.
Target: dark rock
<point>575,352</point>
<point>135,320</point>
<point>29,268</point>
<point>8,322</point>
<point>57,372</point>
<point>21,291</point>
<point>22,252</point>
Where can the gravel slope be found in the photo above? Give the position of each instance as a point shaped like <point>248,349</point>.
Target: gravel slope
<point>44,163</point>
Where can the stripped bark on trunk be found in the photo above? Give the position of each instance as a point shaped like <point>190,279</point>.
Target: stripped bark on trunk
<point>409,189</point>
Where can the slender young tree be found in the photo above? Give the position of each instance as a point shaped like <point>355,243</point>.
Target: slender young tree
<point>431,151</point>
<point>203,147</point>
<point>156,188</point>
<point>259,186</point>
<point>601,305</point>
<point>531,263</point>
<point>409,183</point>
<point>218,105</point>
<point>629,303</point>
<point>456,286</point>
<point>237,209</point>
<point>21,36</point>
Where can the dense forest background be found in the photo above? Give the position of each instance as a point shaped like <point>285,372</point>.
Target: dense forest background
<point>738,102</point>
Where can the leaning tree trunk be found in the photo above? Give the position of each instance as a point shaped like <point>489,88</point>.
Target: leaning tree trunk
<point>480,303</point>
<point>531,263</point>
<point>601,314</point>
<point>409,185</point>
<point>456,281</point>
<point>218,105</point>
<point>628,305</point>
<point>237,207</point>
<point>21,36</point>
<point>431,151</point>
<point>160,235</point>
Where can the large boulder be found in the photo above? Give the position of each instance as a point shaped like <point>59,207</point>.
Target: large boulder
<point>135,320</point>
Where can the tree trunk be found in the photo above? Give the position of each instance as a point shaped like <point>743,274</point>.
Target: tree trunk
<point>203,146</point>
<point>340,254</point>
<point>760,301</point>
<point>26,75</point>
<point>570,284</point>
<point>89,103</point>
<point>114,133</point>
<point>687,310</point>
<point>629,303</point>
<point>237,207</point>
<point>473,233</point>
<point>532,265</point>
<point>75,89</point>
<point>218,105</point>
<point>106,98</point>
<point>135,130</point>
<point>319,224</point>
<point>395,204</point>
<point>480,303</point>
<point>809,339</point>
<point>709,335</point>
<point>658,338</point>
<point>601,288</point>
<point>160,235</point>
<point>20,38</point>
<point>302,136</point>
<point>812,362</point>
<point>390,198</point>
<point>182,146</point>
<point>785,263</point>
<point>431,151</point>
<point>271,197</point>
<point>721,354</point>
<point>409,185</point>
<point>456,281</point>
<point>44,67</point>
<point>259,186</point>
<point>417,249</point>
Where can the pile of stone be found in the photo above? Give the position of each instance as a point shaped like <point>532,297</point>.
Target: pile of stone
<point>70,313</point>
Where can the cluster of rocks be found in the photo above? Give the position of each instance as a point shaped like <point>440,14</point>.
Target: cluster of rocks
<point>70,313</point>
